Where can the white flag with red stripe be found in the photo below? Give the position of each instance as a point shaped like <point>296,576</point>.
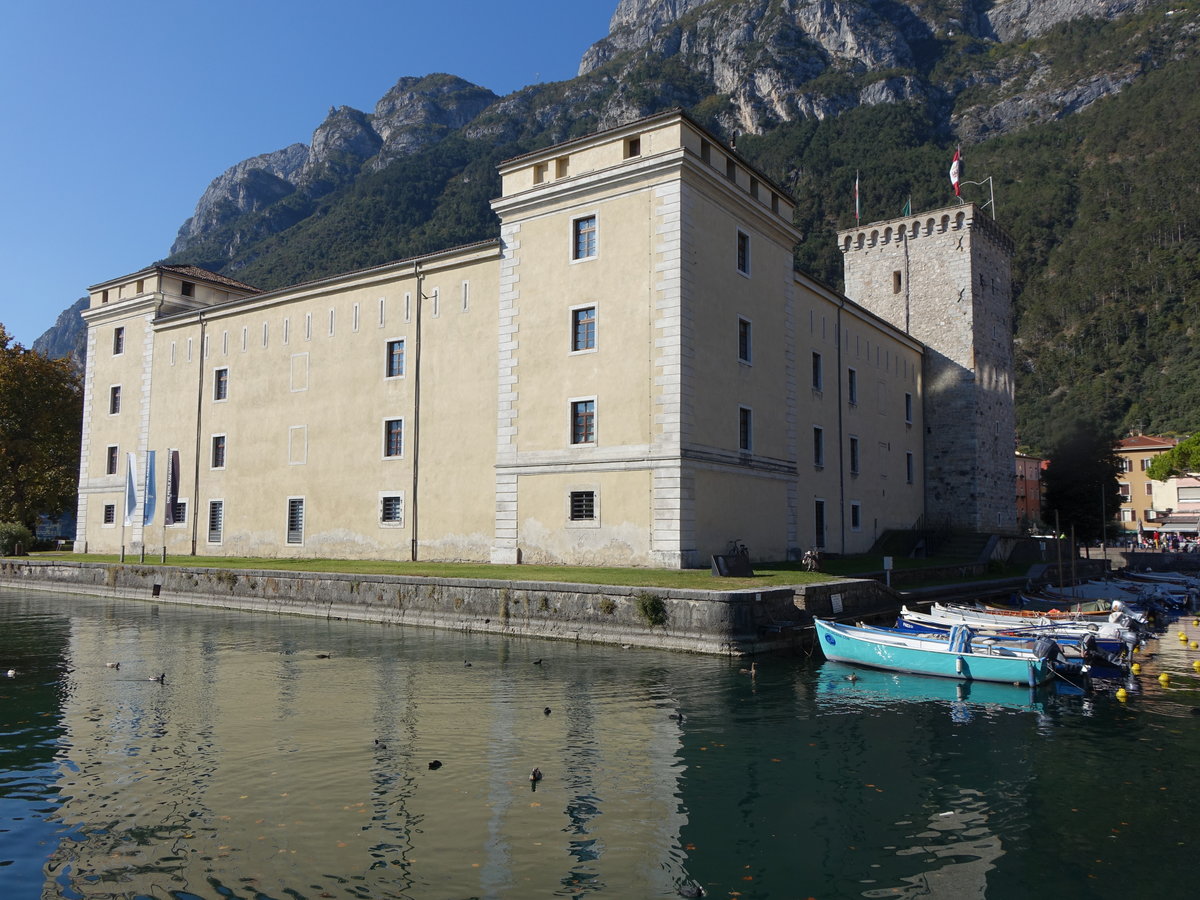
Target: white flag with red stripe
<point>956,171</point>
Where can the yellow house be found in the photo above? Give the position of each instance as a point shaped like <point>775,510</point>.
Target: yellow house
<point>633,373</point>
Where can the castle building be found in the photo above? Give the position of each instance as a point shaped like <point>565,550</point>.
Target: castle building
<point>632,373</point>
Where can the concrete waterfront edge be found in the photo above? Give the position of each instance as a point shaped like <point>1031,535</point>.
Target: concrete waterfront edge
<point>733,623</point>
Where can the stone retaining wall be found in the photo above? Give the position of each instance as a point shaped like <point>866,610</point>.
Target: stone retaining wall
<point>713,622</point>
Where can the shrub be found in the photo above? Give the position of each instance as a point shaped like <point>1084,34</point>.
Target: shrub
<point>11,534</point>
<point>651,608</point>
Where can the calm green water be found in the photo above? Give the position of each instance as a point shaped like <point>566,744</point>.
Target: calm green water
<point>254,772</point>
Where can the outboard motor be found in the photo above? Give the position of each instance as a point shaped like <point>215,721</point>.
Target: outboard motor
<point>1048,649</point>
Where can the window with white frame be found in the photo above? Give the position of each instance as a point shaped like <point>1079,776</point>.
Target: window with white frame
<point>391,510</point>
<point>394,367</point>
<point>1123,488</point>
<point>393,438</point>
<point>1127,515</point>
<point>114,399</point>
<point>216,520</point>
<point>295,520</point>
<point>110,514</point>
<point>583,421</point>
<point>581,506</point>
<point>118,340</point>
<point>111,457</point>
<point>745,429</point>
<point>745,341</point>
<point>221,384</point>
<point>179,513</point>
<point>583,328</point>
<point>583,237</point>
<point>218,451</point>
<point>743,252</point>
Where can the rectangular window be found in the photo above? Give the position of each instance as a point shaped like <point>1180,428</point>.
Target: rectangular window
<point>583,506</point>
<point>110,514</point>
<point>436,299</point>
<point>393,438</point>
<point>395,358</point>
<point>295,520</point>
<point>266,331</point>
<point>1124,491</point>
<point>583,422</point>
<point>391,510</point>
<point>583,328</point>
<point>1125,465</point>
<point>818,446</point>
<point>1145,464</point>
<point>332,317</point>
<point>819,523</point>
<point>1127,515</point>
<point>854,456</point>
<point>1149,490</point>
<point>466,296</point>
<point>584,238</point>
<point>287,330</point>
<point>187,289</point>
<point>179,513</point>
<point>633,147</point>
<point>118,341</point>
<point>383,308</point>
<point>216,520</point>
<point>745,344</point>
<point>1188,494</point>
<point>818,373</point>
<point>110,460</point>
<point>852,387</point>
<point>114,399</point>
<point>908,408</point>
<point>218,451</point>
<point>855,516</point>
<point>220,384</point>
<point>245,338</point>
<point>743,253</point>
<point>908,467</point>
<point>745,430</point>
<point>224,343</point>
<point>308,326</point>
<point>896,282</point>
<point>354,318</point>
<point>1148,515</point>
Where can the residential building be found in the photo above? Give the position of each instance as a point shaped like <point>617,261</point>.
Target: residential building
<point>1138,509</point>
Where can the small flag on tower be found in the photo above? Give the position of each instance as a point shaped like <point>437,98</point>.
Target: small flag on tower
<point>956,170</point>
<point>856,196</point>
<point>907,211</point>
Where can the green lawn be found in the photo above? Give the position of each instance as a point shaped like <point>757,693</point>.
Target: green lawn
<point>767,575</point>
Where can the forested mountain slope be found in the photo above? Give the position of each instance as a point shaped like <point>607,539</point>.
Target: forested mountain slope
<point>1083,112</point>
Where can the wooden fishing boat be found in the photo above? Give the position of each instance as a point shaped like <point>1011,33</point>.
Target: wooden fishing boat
<point>957,657</point>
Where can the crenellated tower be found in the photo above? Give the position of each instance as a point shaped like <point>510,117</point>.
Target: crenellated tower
<point>944,277</point>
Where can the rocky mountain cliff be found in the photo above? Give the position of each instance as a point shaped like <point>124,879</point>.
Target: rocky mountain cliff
<point>810,90</point>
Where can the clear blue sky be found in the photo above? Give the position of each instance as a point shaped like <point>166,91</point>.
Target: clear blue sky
<point>116,116</point>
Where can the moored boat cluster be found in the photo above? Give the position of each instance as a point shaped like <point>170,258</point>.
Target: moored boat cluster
<point>1083,634</point>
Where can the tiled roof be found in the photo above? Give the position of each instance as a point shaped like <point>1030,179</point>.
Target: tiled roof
<point>205,275</point>
<point>1145,442</point>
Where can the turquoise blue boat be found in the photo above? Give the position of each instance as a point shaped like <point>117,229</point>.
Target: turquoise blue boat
<point>956,658</point>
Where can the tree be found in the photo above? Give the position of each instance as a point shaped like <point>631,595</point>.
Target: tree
<point>1182,459</point>
<point>41,414</point>
<point>1081,482</point>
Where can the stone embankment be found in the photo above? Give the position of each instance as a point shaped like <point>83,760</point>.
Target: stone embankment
<point>735,623</point>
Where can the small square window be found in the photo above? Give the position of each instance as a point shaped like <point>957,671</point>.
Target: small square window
<point>114,399</point>
<point>391,510</point>
<point>583,422</point>
<point>118,341</point>
<point>395,359</point>
<point>583,506</point>
<point>393,438</point>
<point>218,451</point>
<point>110,460</point>
<point>220,384</point>
<point>583,328</point>
<point>584,246</point>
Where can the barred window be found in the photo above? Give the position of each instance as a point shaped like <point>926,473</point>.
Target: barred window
<point>295,520</point>
<point>216,520</point>
<point>583,506</point>
<point>391,509</point>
